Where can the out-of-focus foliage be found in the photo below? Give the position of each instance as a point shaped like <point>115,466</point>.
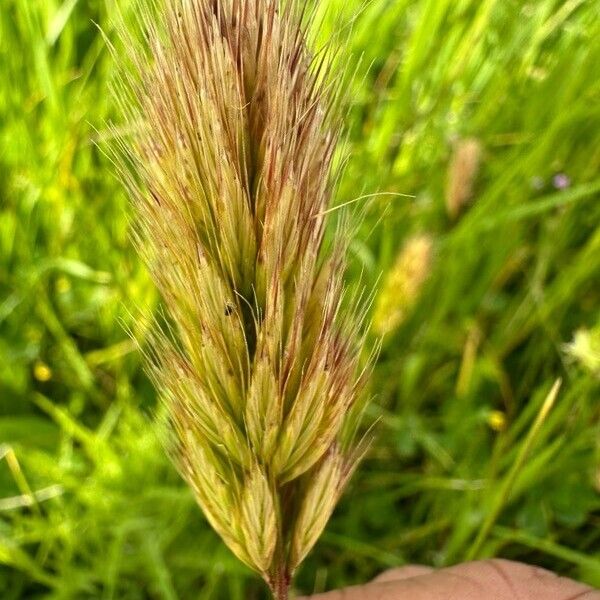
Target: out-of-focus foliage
<point>89,505</point>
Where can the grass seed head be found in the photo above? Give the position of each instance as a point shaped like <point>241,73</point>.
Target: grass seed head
<point>462,173</point>
<point>403,284</point>
<point>231,130</point>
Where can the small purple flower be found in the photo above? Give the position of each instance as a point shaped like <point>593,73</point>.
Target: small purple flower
<point>537,183</point>
<point>561,181</point>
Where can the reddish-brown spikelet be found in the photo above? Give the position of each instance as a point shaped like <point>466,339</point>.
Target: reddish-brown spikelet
<point>462,173</point>
<point>229,163</point>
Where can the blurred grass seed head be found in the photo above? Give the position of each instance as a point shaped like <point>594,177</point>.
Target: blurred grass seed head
<point>462,172</point>
<point>402,285</point>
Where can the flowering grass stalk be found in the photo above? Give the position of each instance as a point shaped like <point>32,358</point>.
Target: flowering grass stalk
<point>463,170</point>
<point>402,285</point>
<point>232,128</point>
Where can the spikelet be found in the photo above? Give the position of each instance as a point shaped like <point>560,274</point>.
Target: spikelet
<point>462,172</point>
<point>233,126</point>
<point>318,500</point>
<point>402,285</point>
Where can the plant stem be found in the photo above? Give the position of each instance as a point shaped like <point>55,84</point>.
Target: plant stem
<point>280,586</point>
<point>282,594</point>
<point>506,486</point>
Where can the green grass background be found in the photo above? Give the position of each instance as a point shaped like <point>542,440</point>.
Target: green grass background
<point>511,282</point>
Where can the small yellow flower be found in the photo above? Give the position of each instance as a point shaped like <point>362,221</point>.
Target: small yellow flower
<point>497,420</point>
<point>41,371</point>
<point>63,285</point>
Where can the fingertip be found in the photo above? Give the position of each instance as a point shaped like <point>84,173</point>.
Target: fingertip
<point>400,573</point>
